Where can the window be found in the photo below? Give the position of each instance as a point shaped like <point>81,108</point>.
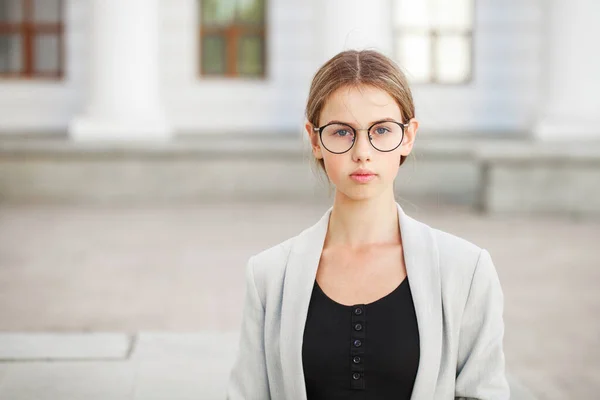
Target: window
<point>31,38</point>
<point>232,38</point>
<point>434,38</point>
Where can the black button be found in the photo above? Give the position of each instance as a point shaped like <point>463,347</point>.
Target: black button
<point>357,343</point>
<point>356,376</point>
<point>356,359</point>
<point>358,311</point>
<point>358,327</point>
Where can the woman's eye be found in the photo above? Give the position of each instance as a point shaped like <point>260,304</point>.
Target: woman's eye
<point>342,132</point>
<point>381,130</point>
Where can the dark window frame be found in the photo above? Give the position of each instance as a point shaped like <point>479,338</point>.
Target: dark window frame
<point>231,34</point>
<point>28,29</point>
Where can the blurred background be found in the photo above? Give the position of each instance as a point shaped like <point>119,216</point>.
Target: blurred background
<point>149,147</point>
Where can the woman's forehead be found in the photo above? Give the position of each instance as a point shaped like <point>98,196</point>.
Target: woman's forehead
<point>360,105</point>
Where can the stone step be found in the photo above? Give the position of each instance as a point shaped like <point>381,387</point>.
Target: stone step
<point>64,346</point>
<point>492,174</point>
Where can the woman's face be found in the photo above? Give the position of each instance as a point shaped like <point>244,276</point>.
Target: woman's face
<point>360,107</point>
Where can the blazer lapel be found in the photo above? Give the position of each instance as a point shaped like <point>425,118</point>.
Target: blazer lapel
<point>300,275</point>
<point>420,253</point>
<point>422,268</point>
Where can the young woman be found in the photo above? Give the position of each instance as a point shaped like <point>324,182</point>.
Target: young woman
<point>368,303</point>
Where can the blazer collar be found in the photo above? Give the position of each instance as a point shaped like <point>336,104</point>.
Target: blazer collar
<point>421,258</point>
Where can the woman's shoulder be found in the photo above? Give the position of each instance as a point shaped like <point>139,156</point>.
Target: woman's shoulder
<point>447,244</point>
<point>463,268</point>
<point>460,259</point>
<point>272,256</point>
<point>268,265</point>
<point>452,245</point>
<point>456,255</point>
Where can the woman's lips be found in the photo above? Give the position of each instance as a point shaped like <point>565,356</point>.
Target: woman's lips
<point>362,178</point>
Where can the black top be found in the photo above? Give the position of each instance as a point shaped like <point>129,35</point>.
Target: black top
<point>363,351</point>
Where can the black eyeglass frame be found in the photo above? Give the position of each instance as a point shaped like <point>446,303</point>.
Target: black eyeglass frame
<point>320,130</point>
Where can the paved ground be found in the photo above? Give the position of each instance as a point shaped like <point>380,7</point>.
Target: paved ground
<point>169,284</point>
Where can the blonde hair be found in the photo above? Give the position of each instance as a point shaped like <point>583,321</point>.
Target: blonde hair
<point>354,68</point>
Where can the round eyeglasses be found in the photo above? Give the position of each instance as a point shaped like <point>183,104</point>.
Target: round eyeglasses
<point>338,137</point>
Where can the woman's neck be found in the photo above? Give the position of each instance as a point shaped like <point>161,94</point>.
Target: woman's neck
<point>355,224</point>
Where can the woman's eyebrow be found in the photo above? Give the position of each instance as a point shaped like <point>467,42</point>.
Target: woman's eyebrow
<point>335,121</point>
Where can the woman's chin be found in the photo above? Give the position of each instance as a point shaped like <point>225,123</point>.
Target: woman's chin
<point>359,192</point>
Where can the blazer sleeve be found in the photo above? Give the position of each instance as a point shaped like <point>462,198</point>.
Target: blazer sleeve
<point>481,364</point>
<point>248,377</point>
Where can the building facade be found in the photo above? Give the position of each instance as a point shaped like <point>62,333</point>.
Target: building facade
<point>155,68</point>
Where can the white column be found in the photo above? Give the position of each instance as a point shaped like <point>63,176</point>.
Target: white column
<point>124,101</point>
<point>570,106</point>
<point>354,25</point>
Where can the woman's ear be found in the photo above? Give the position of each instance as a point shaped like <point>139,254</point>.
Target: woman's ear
<point>314,140</point>
<point>410,134</point>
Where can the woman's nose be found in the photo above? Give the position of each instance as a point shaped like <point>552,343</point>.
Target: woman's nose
<point>362,147</point>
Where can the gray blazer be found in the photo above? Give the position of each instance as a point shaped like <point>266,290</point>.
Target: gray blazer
<point>458,302</point>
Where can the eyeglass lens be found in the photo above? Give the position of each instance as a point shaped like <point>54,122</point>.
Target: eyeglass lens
<point>384,136</point>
